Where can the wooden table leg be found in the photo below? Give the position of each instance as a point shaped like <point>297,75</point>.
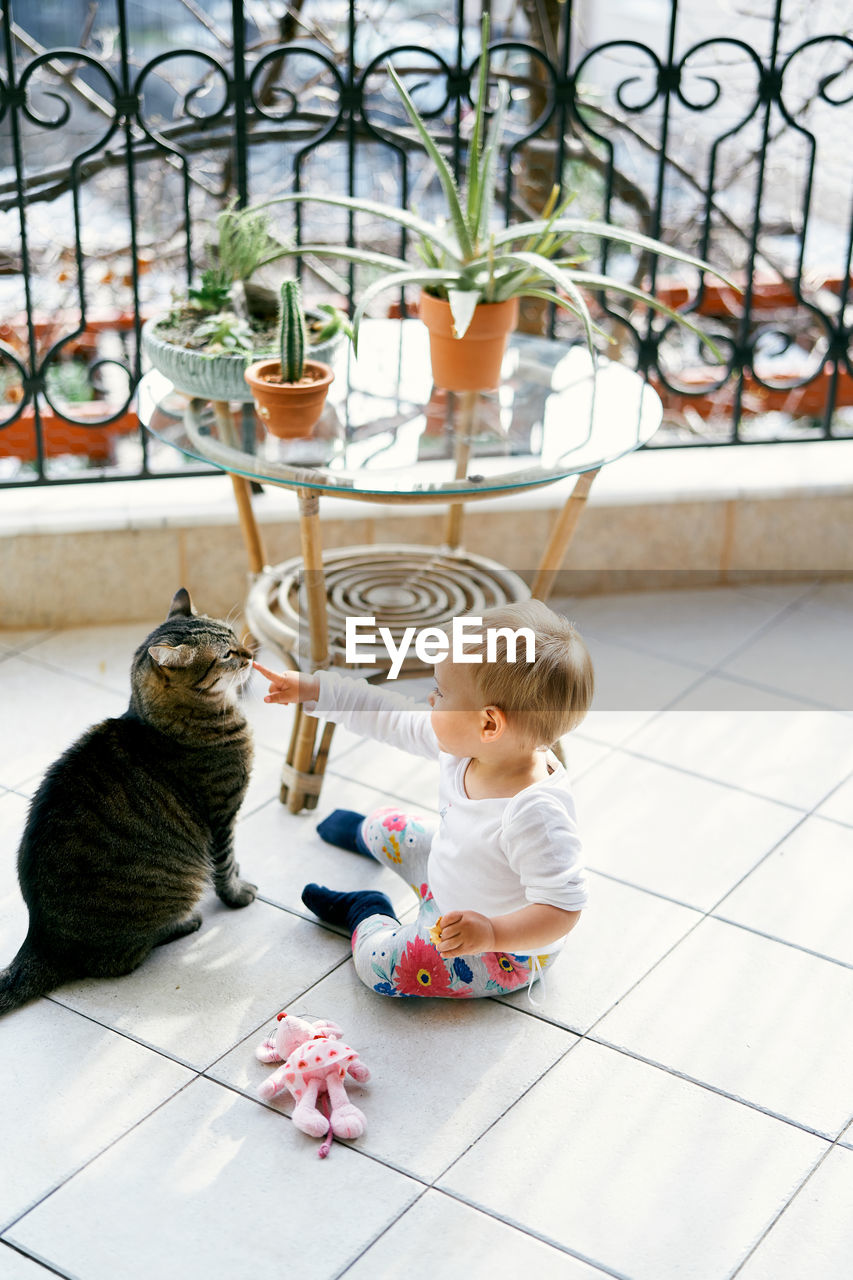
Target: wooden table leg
<point>463,432</point>
<point>301,755</point>
<point>242,493</point>
<point>561,536</point>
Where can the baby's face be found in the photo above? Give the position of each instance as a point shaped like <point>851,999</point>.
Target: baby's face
<point>455,711</point>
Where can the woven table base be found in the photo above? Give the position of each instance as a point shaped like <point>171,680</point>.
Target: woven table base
<point>398,587</point>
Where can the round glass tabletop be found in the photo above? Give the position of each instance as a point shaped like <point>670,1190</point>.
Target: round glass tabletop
<point>386,432</point>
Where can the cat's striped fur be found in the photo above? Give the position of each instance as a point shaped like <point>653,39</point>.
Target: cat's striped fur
<point>132,822</point>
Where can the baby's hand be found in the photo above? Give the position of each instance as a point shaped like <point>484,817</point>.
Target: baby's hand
<point>289,686</point>
<point>465,933</point>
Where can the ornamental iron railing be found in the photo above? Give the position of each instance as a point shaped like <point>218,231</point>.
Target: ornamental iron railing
<point>120,139</point>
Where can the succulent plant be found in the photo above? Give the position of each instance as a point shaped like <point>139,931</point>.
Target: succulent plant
<point>224,331</point>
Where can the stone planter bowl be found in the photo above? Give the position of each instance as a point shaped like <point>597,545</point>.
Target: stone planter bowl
<point>214,377</point>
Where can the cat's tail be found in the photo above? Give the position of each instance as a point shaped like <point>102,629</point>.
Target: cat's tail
<point>29,975</point>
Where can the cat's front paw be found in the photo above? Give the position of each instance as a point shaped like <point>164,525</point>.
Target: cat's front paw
<point>238,893</point>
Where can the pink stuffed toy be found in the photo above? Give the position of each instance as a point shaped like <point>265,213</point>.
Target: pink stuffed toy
<point>315,1061</point>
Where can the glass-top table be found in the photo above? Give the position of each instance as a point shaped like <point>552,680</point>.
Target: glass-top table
<point>387,435</point>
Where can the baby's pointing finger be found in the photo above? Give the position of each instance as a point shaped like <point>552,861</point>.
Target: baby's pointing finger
<point>270,675</point>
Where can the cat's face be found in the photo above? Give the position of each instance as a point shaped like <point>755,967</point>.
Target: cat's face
<point>197,655</point>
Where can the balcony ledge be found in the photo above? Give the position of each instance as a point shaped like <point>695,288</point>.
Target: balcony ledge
<point>72,555</point>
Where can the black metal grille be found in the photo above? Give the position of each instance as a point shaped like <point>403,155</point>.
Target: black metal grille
<point>725,145</point>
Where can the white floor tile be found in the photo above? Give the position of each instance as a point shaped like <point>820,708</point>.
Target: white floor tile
<point>442,1071</point>
<point>683,836</point>
<point>101,654</point>
<point>630,688</point>
<point>622,1163</point>
<point>14,1266</point>
<point>634,1169</point>
<point>814,1236</point>
<point>13,640</point>
<point>757,1019</point>
<point>754,740</point>
<point>404,778</point>
<point>621,934</point>
<point>805,653</point>
<point>439,1234</point>
<point>69,1088</point>
<point>215,1185</point>
<point>699,627</point>
<point>44,712</point>
<point>197,997</point>
<point>839,805</point>
<point>284,851</point>
<point>802,892</point>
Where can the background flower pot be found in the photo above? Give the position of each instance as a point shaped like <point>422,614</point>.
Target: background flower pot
<point>288,409</point>
<point>473,362</point>
<point>60,436</point>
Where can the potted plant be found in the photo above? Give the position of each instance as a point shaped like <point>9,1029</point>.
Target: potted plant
<point>471,276</point>
<point>203,344</point>
<point>289,393</point>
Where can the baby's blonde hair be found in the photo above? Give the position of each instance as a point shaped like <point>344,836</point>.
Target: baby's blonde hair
<point>544,698</point>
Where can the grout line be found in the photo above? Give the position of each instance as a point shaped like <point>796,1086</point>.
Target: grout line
<point>50,1267</point>
<point>636,754</point>
<point>41,664</point>
<point>794,1194</point>
<point>53,998</point>
<point>118,1138</point>
<point>783,942</point>
<point>600,1267</point>
<point>709,1087</point>
<point>717,670</point>
<point>383,1232</point>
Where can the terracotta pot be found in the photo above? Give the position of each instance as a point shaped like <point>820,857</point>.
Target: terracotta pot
<point>472,362</point>
<point>289,409</point>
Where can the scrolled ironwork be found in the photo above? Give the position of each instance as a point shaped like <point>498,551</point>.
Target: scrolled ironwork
<point>619,128</point>
<point>161,60</point>
<point>444,71</point>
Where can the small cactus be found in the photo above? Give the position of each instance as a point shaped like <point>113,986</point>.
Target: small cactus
<point>291,332</point>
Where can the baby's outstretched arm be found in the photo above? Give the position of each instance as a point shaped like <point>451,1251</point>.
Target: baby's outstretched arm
<point>468,933</point>
<point>289,686</point>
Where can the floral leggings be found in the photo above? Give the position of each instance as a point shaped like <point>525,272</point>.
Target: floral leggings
<point>399,959</point>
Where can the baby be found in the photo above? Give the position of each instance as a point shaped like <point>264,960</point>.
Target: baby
<point>499,876</point>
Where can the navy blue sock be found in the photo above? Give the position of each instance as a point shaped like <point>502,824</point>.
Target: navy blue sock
<point>343,829</point>
<point>346,908</point>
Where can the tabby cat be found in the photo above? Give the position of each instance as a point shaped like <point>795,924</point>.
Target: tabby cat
<point>131,822</point>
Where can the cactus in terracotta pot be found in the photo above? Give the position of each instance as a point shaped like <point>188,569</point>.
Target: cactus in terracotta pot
<point>289,393</point>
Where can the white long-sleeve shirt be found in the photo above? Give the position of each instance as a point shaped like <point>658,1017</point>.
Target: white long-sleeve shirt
<point>493,855</point>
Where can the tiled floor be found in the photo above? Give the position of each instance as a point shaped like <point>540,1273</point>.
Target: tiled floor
<point>679,1105</point>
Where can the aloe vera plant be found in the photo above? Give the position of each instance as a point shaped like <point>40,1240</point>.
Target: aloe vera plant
<point>464,260</point>
<point>291,332</point>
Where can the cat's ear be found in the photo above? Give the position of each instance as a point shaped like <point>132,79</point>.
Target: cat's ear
<point>167,655</point>
<point>181,604</point>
